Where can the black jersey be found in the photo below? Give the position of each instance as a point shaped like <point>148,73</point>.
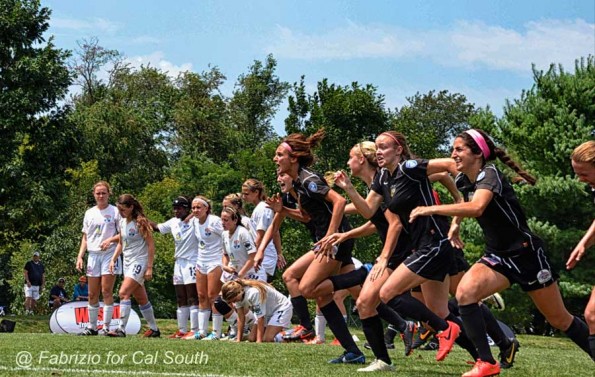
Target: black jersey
<point>503,222</point>
<point>311,189</point>
<point>407,188</point>
<point>290,202</point>
<point>403,246</point>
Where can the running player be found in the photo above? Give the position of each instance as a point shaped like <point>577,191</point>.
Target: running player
<point>325,207</point>
<point>583,163</point>
<point>513,253</point>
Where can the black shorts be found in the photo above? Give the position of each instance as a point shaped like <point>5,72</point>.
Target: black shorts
<point>343,253</point>
<point>431,261</point>
<point>528,267</point>
<point>459,263</point>
<point>395,260</point>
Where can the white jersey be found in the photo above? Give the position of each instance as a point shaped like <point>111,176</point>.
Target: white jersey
<point>99,225</point>
<point>184,238</point>
<point>274,302</point>
<point>245,220</point>
<point>134,246</point>
<point>238,247</point>
<point>210,243</point>
<point>261,219</point>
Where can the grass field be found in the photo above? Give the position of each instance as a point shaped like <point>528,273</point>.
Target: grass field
<point>66,355</point>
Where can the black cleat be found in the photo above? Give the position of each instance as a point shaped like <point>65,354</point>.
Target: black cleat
<point>407,337</point>
<point>507,355</point>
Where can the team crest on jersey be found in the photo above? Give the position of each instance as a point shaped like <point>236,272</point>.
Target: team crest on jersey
<point>178,237</point>
<point>393,190</point>
<point>208,231</point>
<point>544,276</point>
<point>256,310</point>
<point>410,164</point>
<point>236,244</point>
<point>312,186</point>
<point>107,218</point>
<point>131,232</point>
<point>201,244</point>
<point>481,176</point>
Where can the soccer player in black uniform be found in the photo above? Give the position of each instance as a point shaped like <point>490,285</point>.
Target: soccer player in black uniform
<point>513,253</point>
<point>399,192</point>
<point>583,163</point>
<point>325,207</point>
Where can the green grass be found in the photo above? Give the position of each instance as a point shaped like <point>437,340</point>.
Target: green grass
<point>539,356</point>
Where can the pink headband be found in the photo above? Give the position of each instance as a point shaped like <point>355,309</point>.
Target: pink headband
<point>481,142</point>
<point>392,137</point>
<point>287,146</point>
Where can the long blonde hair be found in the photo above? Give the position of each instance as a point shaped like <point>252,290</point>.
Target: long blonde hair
<point>233,288</point>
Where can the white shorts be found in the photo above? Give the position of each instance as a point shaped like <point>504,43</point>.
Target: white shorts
<point>251,275</point>
<point>32,291</point>
<point>136,270</point>
<point>269,264</point>
<point>98,264</point>
<point>184,272</point>
<point>281,317</point>
<point>204,266</point>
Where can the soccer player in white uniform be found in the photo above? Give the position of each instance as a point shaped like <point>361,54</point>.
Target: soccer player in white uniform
<point>208,230</point>
<point>272,309</point>
<point>253,191</point>
<point>234,200</point>
<point>100,237</point>
<point>238,262</point>
<point>137,246</point>
<point>185,255</point>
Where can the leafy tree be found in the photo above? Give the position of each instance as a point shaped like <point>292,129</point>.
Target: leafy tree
<point>548,121</point>
<point>255,100</point>
<point>431,121</point>
<point>349,114</point>
<point>36,138</point>
<point>201,117</point>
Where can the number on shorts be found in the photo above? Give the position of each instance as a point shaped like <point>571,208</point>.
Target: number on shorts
<point>192,272</point>
<point>137,269</point>
<point>279,315</point>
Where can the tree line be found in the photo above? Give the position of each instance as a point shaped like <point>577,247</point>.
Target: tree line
<point>157,136</point>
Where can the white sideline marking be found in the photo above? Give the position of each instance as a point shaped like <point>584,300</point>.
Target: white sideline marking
<point>108,371</point>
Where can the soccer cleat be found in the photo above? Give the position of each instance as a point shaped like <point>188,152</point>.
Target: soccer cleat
<point>316,340</point>
<point>335,342</point>
<point>495,301</point>
<point>192,335</point>
<point>423,335</point>
<point>407,337</point>
<point>349,358</point>
<point>89,332</point>
<point>150,333</point>
<point>507,355</point>
<point>211,336</point>
<point>432,345</point>
<point>446,339</point>
<point>300,333</point>
<point>177,335</point>
<point>117,333</point>
<point>483,369</point>
<point>389,346</point>
<point>377,366</point>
